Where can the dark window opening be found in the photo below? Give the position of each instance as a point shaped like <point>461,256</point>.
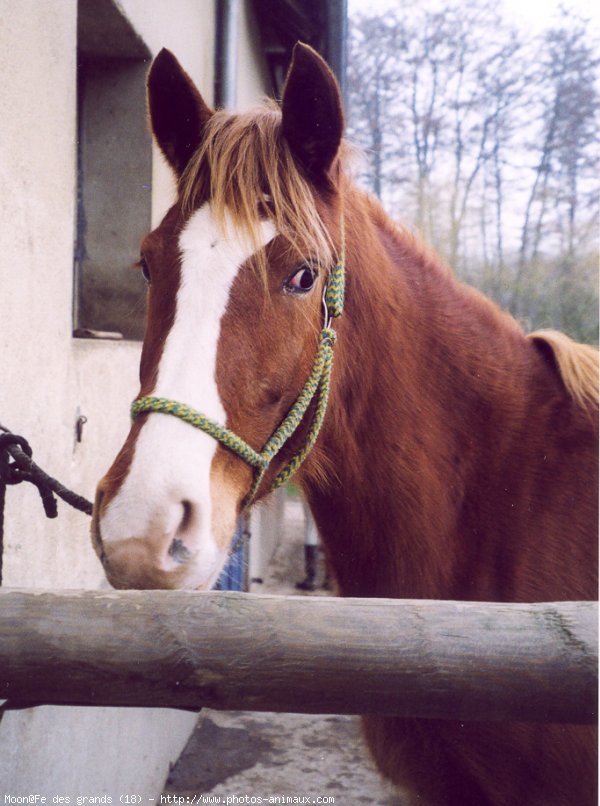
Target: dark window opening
<point>114,173</point>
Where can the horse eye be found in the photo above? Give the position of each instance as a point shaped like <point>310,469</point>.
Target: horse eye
<point>302,280</point>
<point>143,264</point>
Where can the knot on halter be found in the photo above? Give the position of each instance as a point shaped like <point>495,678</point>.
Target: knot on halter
<point>317,387</point>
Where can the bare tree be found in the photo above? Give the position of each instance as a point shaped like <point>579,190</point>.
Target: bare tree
<point>563,198</point>
<point>484,140</point>
<point>373,78</point>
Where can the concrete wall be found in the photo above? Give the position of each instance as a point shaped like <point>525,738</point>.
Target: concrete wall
<point>48,378</point>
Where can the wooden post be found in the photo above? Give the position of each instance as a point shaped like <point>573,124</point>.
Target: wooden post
<point>449,660</point>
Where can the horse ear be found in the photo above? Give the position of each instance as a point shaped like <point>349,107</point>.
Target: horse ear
<point>312,115</point>
<point>178,112</point>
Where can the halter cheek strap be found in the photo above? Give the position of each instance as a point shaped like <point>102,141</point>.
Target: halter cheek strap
<point>317,386</point>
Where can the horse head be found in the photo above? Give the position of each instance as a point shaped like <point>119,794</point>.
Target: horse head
<point>236,272</point>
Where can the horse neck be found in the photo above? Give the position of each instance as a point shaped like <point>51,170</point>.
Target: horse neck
<point>418,361</point>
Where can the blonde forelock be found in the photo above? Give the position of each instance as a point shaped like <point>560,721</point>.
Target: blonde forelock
<point>245,168</point>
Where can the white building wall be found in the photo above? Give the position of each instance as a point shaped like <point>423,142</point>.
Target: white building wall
<point>47,378</point>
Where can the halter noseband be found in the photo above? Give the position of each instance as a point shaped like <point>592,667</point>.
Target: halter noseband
<point>318,384</point>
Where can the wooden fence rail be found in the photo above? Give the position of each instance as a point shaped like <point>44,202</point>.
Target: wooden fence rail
<point>451,660</point>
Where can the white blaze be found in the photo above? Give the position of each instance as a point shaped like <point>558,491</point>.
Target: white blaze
<point>172,460</point>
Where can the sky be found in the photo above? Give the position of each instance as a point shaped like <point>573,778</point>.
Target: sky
<point>532,14</point>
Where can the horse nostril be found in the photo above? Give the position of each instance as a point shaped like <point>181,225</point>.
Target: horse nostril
<point>179,552</point>
<point>186,517</point>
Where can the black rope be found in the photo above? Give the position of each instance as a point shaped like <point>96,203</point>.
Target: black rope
<point>16,466</point>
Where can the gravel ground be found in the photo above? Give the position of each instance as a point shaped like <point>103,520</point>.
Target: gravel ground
<point>245,756</point>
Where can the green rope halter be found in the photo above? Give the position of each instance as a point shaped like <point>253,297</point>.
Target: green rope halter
<point>318,385</point>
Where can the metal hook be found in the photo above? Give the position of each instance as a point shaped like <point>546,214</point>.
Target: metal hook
<point>326,313</point>
<point>80,422</point>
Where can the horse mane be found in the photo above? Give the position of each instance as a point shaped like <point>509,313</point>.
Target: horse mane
<point>408,239</point>
<point>577,364</point>
<point>245,167</point>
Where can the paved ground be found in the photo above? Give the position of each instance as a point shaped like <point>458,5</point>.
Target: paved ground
<point>249,754</point>
<point>252,755</point>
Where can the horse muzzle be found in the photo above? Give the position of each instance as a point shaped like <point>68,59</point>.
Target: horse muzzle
<point>171,552</point>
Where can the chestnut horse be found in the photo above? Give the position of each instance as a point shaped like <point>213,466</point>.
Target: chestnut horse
<point>456,459</point>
